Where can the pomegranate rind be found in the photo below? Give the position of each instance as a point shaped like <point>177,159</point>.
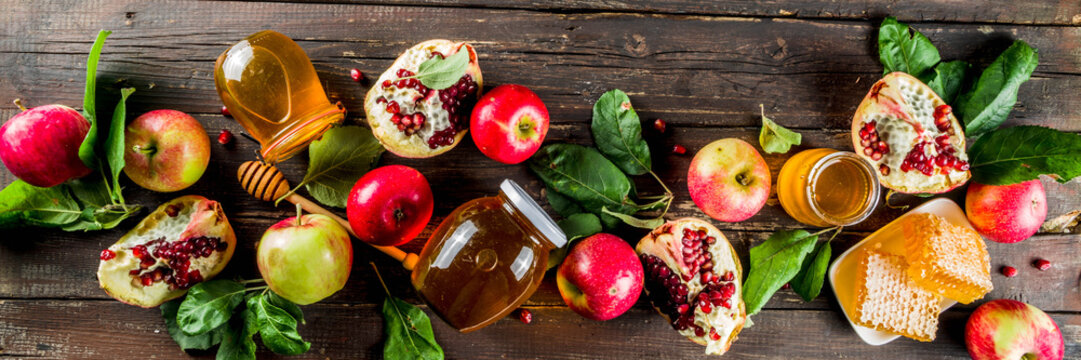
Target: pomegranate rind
<point>886,101</point>
<point>196,216</point>
<point>664,242</point>
<point>394,140</point>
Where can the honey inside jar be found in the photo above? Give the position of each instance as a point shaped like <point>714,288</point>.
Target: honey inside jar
<point>826,187</point>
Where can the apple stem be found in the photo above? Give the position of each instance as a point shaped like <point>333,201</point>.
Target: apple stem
<point>19,103</point>
<point>300,211</point>
<point>143,150</point>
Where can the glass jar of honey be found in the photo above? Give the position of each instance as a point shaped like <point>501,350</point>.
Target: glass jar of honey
<point>827,187</point>
<point>270,87</point>
<point>486,258</point>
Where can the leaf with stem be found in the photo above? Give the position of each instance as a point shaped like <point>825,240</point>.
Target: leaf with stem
<point>408,329</point>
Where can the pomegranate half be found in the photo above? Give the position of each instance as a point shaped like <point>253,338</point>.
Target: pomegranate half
<point>692,278</point>
<point>413,121</point>
<point>184,242</point>
<point>911,136</point>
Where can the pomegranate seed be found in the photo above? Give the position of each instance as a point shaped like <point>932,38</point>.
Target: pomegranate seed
<point>706,307</point>
<point>386,83</point>
<point>225,137</point>
<point>225,111</point>
<point>525,316</point>
<point>1042,264</point>
<point>355,75</point>
<point>679,150</point>
<point>713,334</point>
<point>885,170</point>
<point>107,254</point>
<point>146,280</point>
<point>729,276</point>
<point>786,286</point>
<point>1009,271</point>
<point>659,125</point>
<point>699,332</point>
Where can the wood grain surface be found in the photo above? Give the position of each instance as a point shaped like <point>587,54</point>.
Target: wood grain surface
<point>701,66</point>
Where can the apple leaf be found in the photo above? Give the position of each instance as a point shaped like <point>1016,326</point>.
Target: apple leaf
<point>409,332</point>
<point>948,79</point>
<point>585,176</point>
<point>809,279</point>
<point>186,342</point>
<point>88,149</point>
<point>774,263</point>
<point>989,102</point>
<point>114,144</point>
<point>236,340</point>
<point>277,327</point>
<point>576,226</point>
<point>208,305</point>
<point>903,49</point>
<point>337,161</point>
<point>438,73</point>
<point>618,133</point>
<point>636,222</point>
<point>1021,153</point>
<point>775,138</point>
<point>22,204</point>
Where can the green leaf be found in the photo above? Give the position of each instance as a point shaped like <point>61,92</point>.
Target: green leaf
<point>277,327</point>
<point>114,144</point>
<point>1021,153</point>
<point>774,263</point>
<point>618,133</point>
<point>288,306</point>
<point>337,160</point>
<point>438,73</point>
<point>585,176</point>
<point>98,210</point>
<point>562,205</point>
<point>904,49</point>
<point>185,341</point>
<point>775,139</point>
<point>88,148</point>
<point>989,102</point>
<point>948,79</point>
<point>22,204</point>
<point>809,279</point>
<point>209,305</point>
<point>576,227</point>
<point>236,342</point>
<point>636,222</point>
<point>409,332</point>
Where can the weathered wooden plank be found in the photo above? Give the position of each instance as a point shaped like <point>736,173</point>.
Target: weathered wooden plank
<point>94,329</point>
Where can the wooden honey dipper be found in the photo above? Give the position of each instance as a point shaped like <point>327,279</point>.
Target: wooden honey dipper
<point>266,182</point>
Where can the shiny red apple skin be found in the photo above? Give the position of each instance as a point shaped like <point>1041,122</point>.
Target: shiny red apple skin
<point>165,150</point>
<point>601,277</point>
<point>305,261</point>
<point>509,123</point>
<point>729,180</point>
<point>1011,330</point>
<point>390,205</point>
<point>41,145</point>
<point>1006,213</point>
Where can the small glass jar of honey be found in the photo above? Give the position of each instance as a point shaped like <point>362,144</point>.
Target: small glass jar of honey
<point>486,258</point>
<point>827,187</point>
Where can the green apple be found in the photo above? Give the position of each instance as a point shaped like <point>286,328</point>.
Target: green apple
<point>165,150</point>
<point>305,258</point>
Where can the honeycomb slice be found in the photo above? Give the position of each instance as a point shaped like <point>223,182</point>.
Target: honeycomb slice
<point>888,300</point>
<point>946,259</point>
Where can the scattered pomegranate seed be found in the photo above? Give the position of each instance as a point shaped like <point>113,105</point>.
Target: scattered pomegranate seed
<point>225,111</point>
<point>356,75</point>
<point>1042,264</point>
<point>525,316</point>
<point>786,286</point>
<point>225,137</point>
<point>659,125</point>
<point>679,150</point>
<point>107,254</point>
<point>1009,271</point>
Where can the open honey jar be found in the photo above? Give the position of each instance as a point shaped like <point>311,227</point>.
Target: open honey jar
<point>827,187</point>
<point>270,86</point>
<point>486,258</point>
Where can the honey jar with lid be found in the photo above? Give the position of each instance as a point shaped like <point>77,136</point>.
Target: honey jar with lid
<point>827,187</point>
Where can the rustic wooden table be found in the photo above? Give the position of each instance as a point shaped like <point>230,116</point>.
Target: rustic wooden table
<point>703,67</point>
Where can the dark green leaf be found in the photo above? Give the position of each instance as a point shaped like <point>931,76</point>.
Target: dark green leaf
<point>88,148</point>
<point>187,342</point>
<point>236,342</point>
<point>585,176</point>
<point>337,160</point>
<point>1021,153</point>
<point>989,102</point>
<point>409,332</point>
<point>98,210</point>
<point>22,204</point>
<point>618,133</point>
<point>114,143</point>
<point>775,138</point>
<point>288,306</point>
<point>576,226</point>
<point>438,73</point>
<point>209,305</point>
<point>562,205</point>
<point>904,49</point>
<point>774,263</point>
<point>811,275</point>
<point>636,222</point>
<point>948,79</point>
<point>277,327</point>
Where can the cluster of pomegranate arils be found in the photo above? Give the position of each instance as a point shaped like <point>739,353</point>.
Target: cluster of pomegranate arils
<point>177,254</point>
<point>946,157</point>
<point>407,123</point>
<point>452,98</point>
<point>675,301</point>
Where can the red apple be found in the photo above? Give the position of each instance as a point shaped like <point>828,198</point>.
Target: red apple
<point>165,150</point>
<point>1011,330</point>
<point>390,205</point>
<point>729,180</point>
<point>601,277</point>
<point>305,259</point>
<point>1006,213</point>
<point>41,146</point>
<point>509,123</point>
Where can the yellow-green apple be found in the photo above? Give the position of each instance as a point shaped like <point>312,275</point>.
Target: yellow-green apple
<point>41,146</point>
<point>390,205</point>
<point>1006,213</point>
<point>165,150</point>
<point>1012,330</point>
<point>729,180</point>
<point>509,123</point>
<point>601,277</point>
<point>305,258</point>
